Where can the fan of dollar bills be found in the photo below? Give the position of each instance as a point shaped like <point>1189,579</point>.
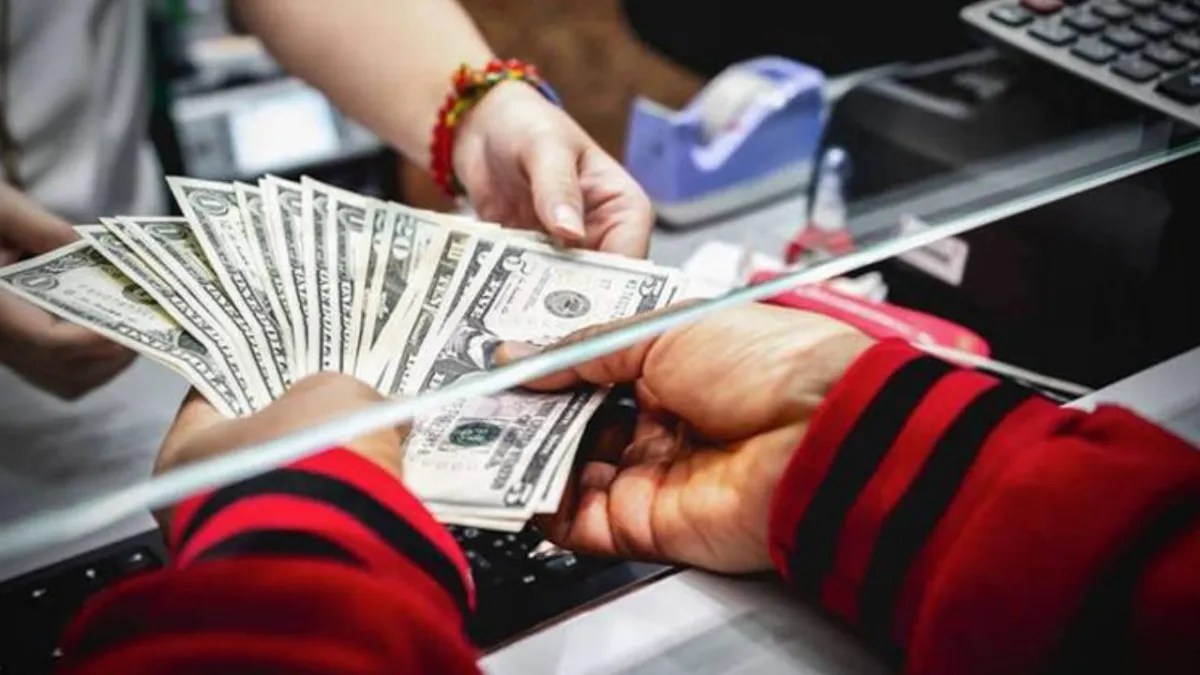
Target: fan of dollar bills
<point>259,286</point>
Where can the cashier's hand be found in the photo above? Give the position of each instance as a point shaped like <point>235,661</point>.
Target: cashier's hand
<point>723,404</point>
<point>524,162</point>
<point>200,431</point>
<point>57,356</point>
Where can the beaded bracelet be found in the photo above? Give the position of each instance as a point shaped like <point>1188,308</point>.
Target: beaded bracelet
<point>470,86</point>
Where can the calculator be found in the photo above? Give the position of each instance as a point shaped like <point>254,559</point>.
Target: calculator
<point>1145,50</point>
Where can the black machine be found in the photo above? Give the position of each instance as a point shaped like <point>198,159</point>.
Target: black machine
<point>1146,50</point>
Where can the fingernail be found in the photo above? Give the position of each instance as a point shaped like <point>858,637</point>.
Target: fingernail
<point>597,476</point>
<point>568,219</point>
<point>513,351</point>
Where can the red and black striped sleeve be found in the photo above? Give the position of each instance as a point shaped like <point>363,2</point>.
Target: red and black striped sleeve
<point>963,524</point>
<point>325,566</point>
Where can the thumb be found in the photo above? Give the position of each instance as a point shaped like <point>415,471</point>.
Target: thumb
<point>553,169</point>
<point>200,431</point>
<point>624,365</point>
<point>29,228</point>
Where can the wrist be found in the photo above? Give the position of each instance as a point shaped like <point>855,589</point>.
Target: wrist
<point>811,375</point>
<point>469,135</point>
<point>819,371</point>
<point>470,89</point>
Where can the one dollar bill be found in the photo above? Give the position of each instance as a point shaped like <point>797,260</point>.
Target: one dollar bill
<point>77,283</point>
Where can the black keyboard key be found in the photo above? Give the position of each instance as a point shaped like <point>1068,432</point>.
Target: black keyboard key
<point>92,579</point>
<point>1152,26</point>
<point>560,566</point>
<point>1094,50</point>
<point>1136,69</point>
<point>1113,11</point>
<point>1165,55</point>
<point>529,540</point>
<point>1140,5</point>
<point>512,552</point>
<point>1083,21</point>
<point>1054,33</point>
<point>1011,15</point>
<point>1184,87</point>
<point>1124,38</point>
<point>1179,15</point>
<point>1043,6</point>
<point>39,597</point>
<point>137,562</point>
<point>1188,42</point>
<point>483,572</point>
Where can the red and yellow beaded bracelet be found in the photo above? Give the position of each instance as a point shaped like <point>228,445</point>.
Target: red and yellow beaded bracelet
<point>469,86</point>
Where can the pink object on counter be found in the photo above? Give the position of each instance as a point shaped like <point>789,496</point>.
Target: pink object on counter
<point>880,320</point>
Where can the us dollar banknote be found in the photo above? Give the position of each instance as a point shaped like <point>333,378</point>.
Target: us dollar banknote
<point>324,330</point>
<point>212,211</point>
<point>401,339</point>
<point>536,294</point>
<point>181,307</point>
<point>381,229</point>
<point>493,456</point>
<point>421,235</point>
<point>353,216</point>
<point>173,245</point>
<point>413,239</point>
<point>508,447</point>
<point>77,283</point>
<point>446,254</point>
<point>263,257</point>
<point>383,233</point>
<point>282,204</point>
<point>485,236</point>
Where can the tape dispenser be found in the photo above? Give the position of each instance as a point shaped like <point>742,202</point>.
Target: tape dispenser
<point>749,136</point>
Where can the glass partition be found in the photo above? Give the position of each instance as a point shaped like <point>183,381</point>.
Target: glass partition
<point>882,225</point>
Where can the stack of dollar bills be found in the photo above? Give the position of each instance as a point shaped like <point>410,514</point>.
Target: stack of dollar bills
<point>258,286</point>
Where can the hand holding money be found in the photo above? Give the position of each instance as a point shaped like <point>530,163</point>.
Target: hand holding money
<point>524,162</point>
<point>723,404</point>
<point>201,432</point>
<point>260,286</point>
<point>60,357</point>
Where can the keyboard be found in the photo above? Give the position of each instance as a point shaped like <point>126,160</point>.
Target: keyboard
<point>35,607</point>
<point>1146,50</point>
<point>521,581</point>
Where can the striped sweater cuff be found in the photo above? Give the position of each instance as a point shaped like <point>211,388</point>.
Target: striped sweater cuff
<point>334,506</point>
<point>879,474</point>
